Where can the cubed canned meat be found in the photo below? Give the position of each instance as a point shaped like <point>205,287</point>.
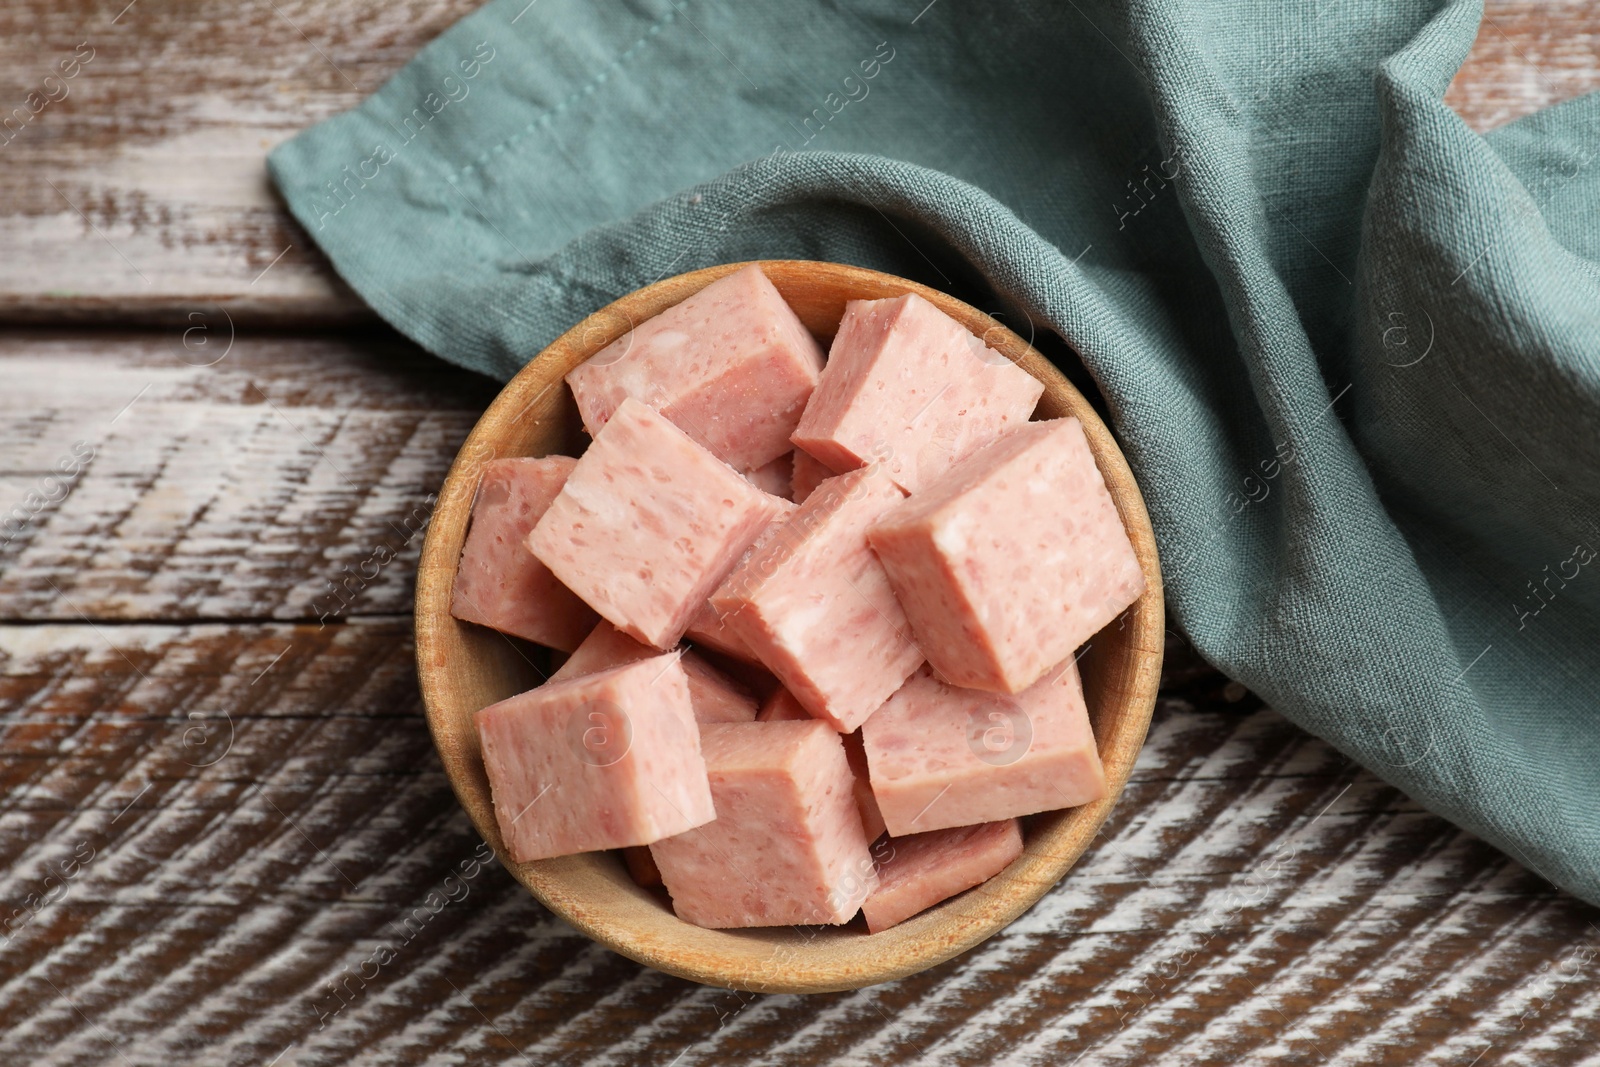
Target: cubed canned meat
<point>781,706</point>
<point>866,803</point>
<point>647,524</point>
<point>603,761</point>
<point>707,627</point>
<point>909,386</point>
<point>500,583</point>
<point>787,847</point>
<point>941,756</point>
<point>713,696</point>
<point>732,365</point>
<point>815,606</point>
<point>1012,560</point>
<point>919,871</point>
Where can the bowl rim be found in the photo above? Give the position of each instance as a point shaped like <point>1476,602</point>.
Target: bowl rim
<point>1052,845</point>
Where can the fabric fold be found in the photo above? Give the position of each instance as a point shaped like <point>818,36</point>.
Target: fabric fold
<point>1351,347</point>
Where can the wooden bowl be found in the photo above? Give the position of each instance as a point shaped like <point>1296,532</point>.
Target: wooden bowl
<point>463,668</point>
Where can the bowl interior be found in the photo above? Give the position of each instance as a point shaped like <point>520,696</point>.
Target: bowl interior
<point>463,668</point>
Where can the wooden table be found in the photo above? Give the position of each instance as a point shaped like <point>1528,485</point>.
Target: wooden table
<point>219,796</point>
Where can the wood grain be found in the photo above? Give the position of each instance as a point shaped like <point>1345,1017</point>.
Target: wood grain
<point>1529,54</point>
<point>142,195</point>
<point>1252,899</point>
<point>143,191</point>
<point>276,483</point>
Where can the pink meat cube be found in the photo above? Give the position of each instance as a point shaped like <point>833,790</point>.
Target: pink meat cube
<point>781,706</point>
<point>603,761</point>
<point>499,582</point>
<point>732,365</point>
<point>713,696</point>
<point>941,756</point>
<point>707,627</point>
<point>648,524</point>
<point>787,846</point>
<point>807,475</point>
<point>917,872</point>
<point>866,803</point>
<point>907,384</point>
<point>776,477</point>
<point>816,607</point>
<point>1011,560</point>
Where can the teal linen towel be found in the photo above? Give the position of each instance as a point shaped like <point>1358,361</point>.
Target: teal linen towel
<point>1351,347</point>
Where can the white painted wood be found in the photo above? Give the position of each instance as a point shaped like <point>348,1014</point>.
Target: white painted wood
<point>278,482</point>
<point>232,894</point>
<point>143,194</point>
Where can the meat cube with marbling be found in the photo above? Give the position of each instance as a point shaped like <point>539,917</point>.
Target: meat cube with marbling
<point>708,628</point>
<point>1012,560</point>
<point>908,386</point>
<point>499,583</point>
<point>815,605</point>
<point>713,696</point>
<point>919,871</point>
<point>787,847</point>
<point>648,524</point>
<point>603,761</point>
<point>732,365</point>
<point>941,756</point>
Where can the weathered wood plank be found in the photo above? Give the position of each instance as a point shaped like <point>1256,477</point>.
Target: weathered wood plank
<point>142,195</point>
<point>290,479</point>
<point>1529,54</point>
<point>1254,898</point>
<point>144,188</point>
